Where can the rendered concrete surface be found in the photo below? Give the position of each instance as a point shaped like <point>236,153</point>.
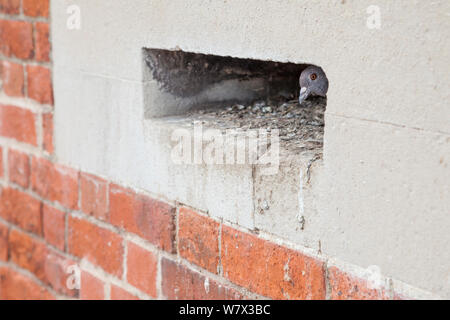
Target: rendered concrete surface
<point>381,194</point>
<point>386,198</point>
<point>406,59</point>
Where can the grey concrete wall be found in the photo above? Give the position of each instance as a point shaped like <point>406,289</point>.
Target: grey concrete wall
<point>381,194</point>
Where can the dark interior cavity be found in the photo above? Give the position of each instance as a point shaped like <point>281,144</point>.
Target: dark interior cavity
<point>191,81</point>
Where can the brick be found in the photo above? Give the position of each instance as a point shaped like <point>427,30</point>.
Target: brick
<point>10,6</point>
<point>269,269</point>
<point>54,226</point>
<point>55,182</point>
<point>13,80</point>
<point>36,8</point>
<point>18,124</point>
<point>16,39</point>
<point>4,231</point>
<point>47,128</point>
<point>142,268</point>
<point>42,41</point>
<point>91,288</point>
<point>121,294</point>
<point>123,206</point>
<point>28,253</point>
<point>15,286</point>
<point>181,283</point>
<point>198,238</point>
<point>94,192</point>
<point>19,168</point>
<point>347,287</point>
<point>58,274</point>
<point>21,209</point>
<point>151,219</point>
<point>98,245</point>
<point>40,86</point>
<point>1,162</point>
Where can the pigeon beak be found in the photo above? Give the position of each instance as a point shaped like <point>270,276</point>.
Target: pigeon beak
<point>304,94</point>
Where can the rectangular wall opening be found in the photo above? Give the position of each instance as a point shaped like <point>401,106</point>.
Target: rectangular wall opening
<point>233,93</point>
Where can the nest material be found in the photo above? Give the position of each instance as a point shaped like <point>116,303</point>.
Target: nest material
<point>300,127</point>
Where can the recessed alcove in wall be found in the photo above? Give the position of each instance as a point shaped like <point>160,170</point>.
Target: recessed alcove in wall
<point>233,93</point>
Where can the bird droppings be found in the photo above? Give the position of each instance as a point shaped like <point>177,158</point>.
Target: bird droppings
<point>301,127</point>
<point>235,97</point>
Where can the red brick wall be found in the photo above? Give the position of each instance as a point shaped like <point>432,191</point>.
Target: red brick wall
<point>127,245</point>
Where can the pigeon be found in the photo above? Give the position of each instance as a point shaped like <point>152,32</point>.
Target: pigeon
<point>313,82</point>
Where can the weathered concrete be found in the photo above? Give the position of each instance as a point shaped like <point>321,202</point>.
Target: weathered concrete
<point>408,55</point>
<point>385,195</point>
<point>380,197</point>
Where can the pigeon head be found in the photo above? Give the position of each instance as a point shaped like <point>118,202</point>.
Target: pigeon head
<point>313,82</point>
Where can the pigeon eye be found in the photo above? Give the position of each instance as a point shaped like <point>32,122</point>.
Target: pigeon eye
<point>313,76</point>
